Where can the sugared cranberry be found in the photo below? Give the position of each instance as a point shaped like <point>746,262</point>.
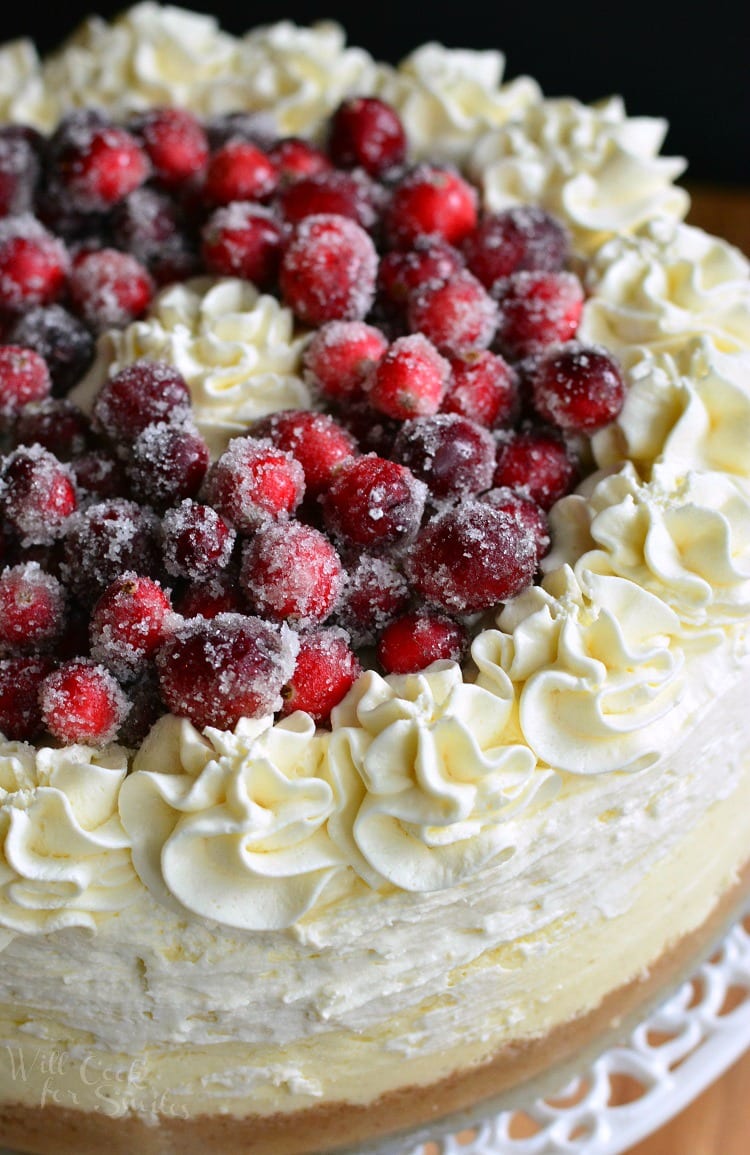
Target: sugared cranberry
<point>146,707</point>
<point>33,264</point>
<point>536,309</point>
<point>316,440</point>
<point>24,377</point>
<point>37,494</point>
<point>20,712</point>
<point>149,225</point>
<point>32,608</point>
<point>243,240</point>
<point>578,388</point>
<point>211,596</point>
<point>167,462</point>
<point>103,541</point>
<point>402,272</point>
<point>129,622</point>
<point>143,393</point>
<point>97,164</point>
<point>324,672</point>
<point>216,672</point>
<point>256,127</point>
<point>430,202</point>
<point>522,237</point>
<point>82,702</point>
<point>295,158</point>
<point>291,573</point>
<point>417,639</point>
<point>328,270</point>
<point>538,464</point>
<point>484,388</point>
<point>457,315</point>
<point>19,170</point>
<point>60,338</point>
<point>344,194</point>
<point>367,133</point>
<point>254,482</point>
<point>175,142</point>
<point>409,380</point>
<point>527,513</point>
<point>98,476</point>
<point>239,171</point>
<point>339,356</point>
<point>454,456</point>
<point>196,541</point>
<point>373,502</point>
<point>109,289</point>
<point>470,558</point>
<point>374,593</point>
<point>57,424</point>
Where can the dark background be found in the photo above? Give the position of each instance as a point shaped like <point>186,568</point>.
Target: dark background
<point>689,64</point>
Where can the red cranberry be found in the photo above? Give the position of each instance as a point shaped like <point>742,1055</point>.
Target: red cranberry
<point>374,593</point>
<point>430,202</point>
<point>57,424</point>
<point>33,264</point>
<point>316,440</point>
<point>328,270</point>
<point>97,164</point>
<point>243,240</point>
<point>529,515</point>
<point>418,638</point>
<point>175,142</point>
<point>109,289</point>
<point>239,171</point>
<point>24,377</point>
<point>143,393</point>
<point>295,158</point>
<point>373,502</point>
<point>20,712</point>
<point>409,380</point>
<point>196,541</point>
<point>216,672</point>
<point>457,315</point>
<point>82,702</point>
<point>98,476</point>
<point>455,457</point>
<point>339,355</point>
<point>538,464</point>
<point>522,237</point>
<point>37,494</point>
<point>324,672</point>
<point>211,596</point>
<point>337,193</point>
<point>291,573</point>
<point>471,558</point>
<point>367,133</point>
<point>106,540</point>
<point>402,272</point>
<point>577,387</point>
<point>484,388</point>
<point>128,624</point>
<point>254,482</point>
<point>60,338</point>
<point>167,463</point>
<point>32,608</point>
<point>536,309</point>
<point>19,170</point>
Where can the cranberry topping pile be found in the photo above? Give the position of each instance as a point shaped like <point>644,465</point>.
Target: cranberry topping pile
<point>452,398</point>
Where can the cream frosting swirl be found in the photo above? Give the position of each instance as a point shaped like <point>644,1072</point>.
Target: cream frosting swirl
<point>430,775</point>
<point>234,830</point>
<point>590,165</point>
<point>64,855</point>
<point>236,347</point>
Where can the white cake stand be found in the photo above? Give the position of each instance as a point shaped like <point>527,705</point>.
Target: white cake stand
<point>633,1088</point>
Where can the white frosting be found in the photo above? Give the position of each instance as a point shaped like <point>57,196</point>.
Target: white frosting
<point>595,169</point>
<point>64,856</point>
<point>237,349</point>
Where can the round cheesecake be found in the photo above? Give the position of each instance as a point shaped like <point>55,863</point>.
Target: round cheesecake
<point>245,926</point>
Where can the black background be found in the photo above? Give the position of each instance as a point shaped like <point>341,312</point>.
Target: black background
<point>688,63</point>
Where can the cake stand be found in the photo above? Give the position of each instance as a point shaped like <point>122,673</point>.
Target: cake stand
<point>627,1092</point>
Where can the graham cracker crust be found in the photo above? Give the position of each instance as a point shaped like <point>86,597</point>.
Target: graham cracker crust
<point>515,1073</point>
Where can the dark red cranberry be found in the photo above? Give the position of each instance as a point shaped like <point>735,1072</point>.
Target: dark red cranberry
<point>146,707</point>
<point>317,441</point>
<point>60,338</point>
<point>105,540</point>
<point>328,270</point>
<point>57,424</point>
<point>324,672</point>
<point>254,482</point>
<point>196,540</point>
<point>98,476</point>
<point>19,170</point>
<point>339,355</point>
<point>239,171</point>
<point>373,502</point>
<point>255,127</point>
<point>211,596</point>
<point>166,463</point>
<point>419,638</point>
<point>342,194</point>
<point>37,494</point>
<point>243,240</point>
<point>578,388</point>
<point>374,593</point>
<point>430,202</point>
<point>484,388</point>
<point>129,622</point>
<point>32,608</point>
<point>537,464</point>
<point>471,558</point>
<point>82,702</point>
<point>455,457</point>
<point>522,237</point>
<point>24,378</point>
<point>537,309</point>
<point>175,142</point>
<point>367,133</point>
<point>149,225</point>
<point>216,672</point>
<point>410,379</point>
<point>527,513</point>
<point>109,289</point>
<point>457,315</point>
<point>291,573</point>
<point>20,712</point>
<point>402,272</point>
<point>33,264</point>
<point>143,393</point>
